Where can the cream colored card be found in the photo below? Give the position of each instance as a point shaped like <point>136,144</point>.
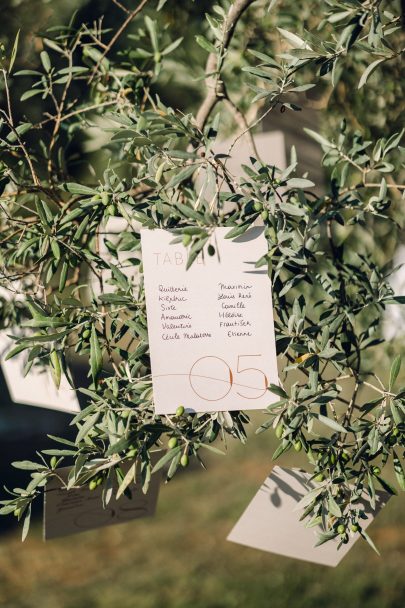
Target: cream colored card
<point>270,147</point>
<point>271,521</point>
<point>37,387</point>
<point>211,330</point>
<point>68,512</point>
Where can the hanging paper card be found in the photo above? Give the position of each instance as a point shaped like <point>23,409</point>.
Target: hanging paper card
<point>211,331</point>
<point>68,512</point>
<point>37,387</point>
<point>272,523</point>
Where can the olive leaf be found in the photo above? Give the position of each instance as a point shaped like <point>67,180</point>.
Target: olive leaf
<point>96,357</point>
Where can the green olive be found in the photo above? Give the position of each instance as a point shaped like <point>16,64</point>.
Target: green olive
<point>332,458</point>
<point>345,456</point>
<point>93,484</point>
<point>17,512</point>
<point>376,470</point>
<point>298,445</point>
<point>186,240</point>
<point>172,442</point>
<point>86,334</point>
<point>99,481</point>
<point>341,529</point>
<point>180,410</point>
<point>279,430</point>
<point>264,215</point>
<point>54,460</point>
<point>184,460</point>
<point>110,210</point>
<point>258,206</point>
<point>355,527</point>
<point>105,198</point>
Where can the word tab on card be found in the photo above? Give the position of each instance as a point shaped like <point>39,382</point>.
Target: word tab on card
<point>211,329</point>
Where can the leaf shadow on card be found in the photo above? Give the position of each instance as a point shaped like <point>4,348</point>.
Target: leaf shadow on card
<point>271,522</point>
<point>250,235</point>
<point>282,487</point>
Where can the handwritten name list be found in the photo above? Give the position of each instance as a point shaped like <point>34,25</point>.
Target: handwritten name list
<point>210,328</point>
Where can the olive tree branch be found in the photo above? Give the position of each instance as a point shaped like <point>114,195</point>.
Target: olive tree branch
<point>60,107</point>
<point>7,90</point>
<point>118,33</point>
<point>213,82</point>
<point>21,144</point>
<point>241,121</point>
<point>121,6</point>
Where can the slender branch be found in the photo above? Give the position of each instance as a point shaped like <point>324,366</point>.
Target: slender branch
<point>95,106</point>
<point>10,114</point>
<point>251,126</point>
<point>35,178</point>
<point>121,6</point>
<point>117,34</point>
<point>375,388</point>
<point>352,404</point>
<point>394,186</point>
<point>242,122</point>
<point>61,106</point>
<point>215,90</point>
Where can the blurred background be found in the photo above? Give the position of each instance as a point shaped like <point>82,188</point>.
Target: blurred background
<point>180,558</point>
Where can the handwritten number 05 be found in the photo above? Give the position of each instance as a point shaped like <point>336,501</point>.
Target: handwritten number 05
<point>247,369</point>
<point>230,381</point>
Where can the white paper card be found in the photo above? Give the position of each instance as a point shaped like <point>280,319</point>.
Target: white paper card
<point>211,330</point>
<point>37,387</point>
<point>271,521</point>
<point>68,512</point>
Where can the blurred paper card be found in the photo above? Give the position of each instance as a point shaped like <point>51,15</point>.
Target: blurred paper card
<point>269,148</point>
<point>37,387</point>
<point>271,521</point>
<point>68,512</point>
<point>117,235</point>
<point>238,151</point>
<point>211,330</point>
